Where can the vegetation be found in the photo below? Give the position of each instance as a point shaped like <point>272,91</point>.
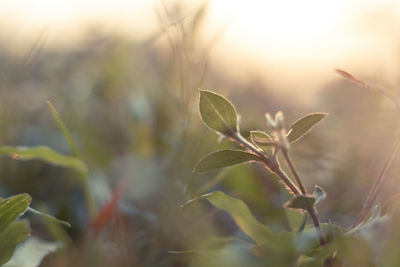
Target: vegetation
<point>298,247</point>
<point>115,158</point>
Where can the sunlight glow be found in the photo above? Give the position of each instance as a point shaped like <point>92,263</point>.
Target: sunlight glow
<point>298,43</point>
<point>300,39</point>
<point>284,23</point>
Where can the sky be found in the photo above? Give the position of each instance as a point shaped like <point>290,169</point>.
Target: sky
<point>293,44</point>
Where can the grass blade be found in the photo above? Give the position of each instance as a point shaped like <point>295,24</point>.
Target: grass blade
<point>63,129</point>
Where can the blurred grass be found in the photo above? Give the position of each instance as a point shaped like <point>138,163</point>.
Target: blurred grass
<point>131,107</point>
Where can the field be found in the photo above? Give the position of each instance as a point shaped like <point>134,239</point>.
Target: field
<point>103,160</point>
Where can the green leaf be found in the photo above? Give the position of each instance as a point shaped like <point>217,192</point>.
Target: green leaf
<point>262,140</point>
<point>48,217</point>
<point>260,137</point>
<point>63,129</point>
<point>296,219</point>
<point>241,215</point>
<point>224,158</point>
<point>307,241</point>
<point>44,153</point>
<point>319,194</point>
<point>303,126</point>
<point>304,202</point>
<point>205,252</point>
<point>11,208</point>
<point>300,202</point>
<point>305,261</point>
<point>217,112</point>
<point>15,233</point>
<point>212,245</point>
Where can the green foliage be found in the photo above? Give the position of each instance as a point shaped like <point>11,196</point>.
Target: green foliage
<point>260,137</point>
<point>296,219</point>
<point>262,140</point>
<point>301,202</point>
<point>63,129</point>
<point>48,217</point>
<point>73,162</point>
<point>217,113</point>
<point>242,216</point>
<point>15,233</point>
<point>220,115</point>
<point>111,82</point>
<point>12,230</point>
<point>309,245</point>
<point>303,125</point>
<point>276,248</point>
<point>12,208</point>
<point>45,154</point>
<point>305,202</point>
<point>224,158</point>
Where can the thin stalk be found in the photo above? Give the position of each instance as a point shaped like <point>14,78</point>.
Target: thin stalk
<point>314,217</point>
<point>285,178</point>
<point>292,168</point>
<point>64,130</point>
<point>373,193</point>
<point>273,166</point>
<point>276,168</point>
<point>89,199</point>
<point>312,212</point>
<point>84,178</point>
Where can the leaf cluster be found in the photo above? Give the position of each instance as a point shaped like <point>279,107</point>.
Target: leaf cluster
<point>306,244</point>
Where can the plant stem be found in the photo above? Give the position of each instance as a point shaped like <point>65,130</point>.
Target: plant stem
<point>373,193</point>
<point>89,198</point>
<point>314,217</point>
<point>312,212</point>
<point>292,168</point>
<point>285,178</point>
<point>274,166</point>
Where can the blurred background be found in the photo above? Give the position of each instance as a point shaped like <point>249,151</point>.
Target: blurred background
<point>124,76</point>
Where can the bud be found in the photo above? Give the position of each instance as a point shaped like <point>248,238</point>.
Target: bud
<point>270,121</point>
<point>279,119</point>
<point>284,140</point>
<point>278,130</point>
